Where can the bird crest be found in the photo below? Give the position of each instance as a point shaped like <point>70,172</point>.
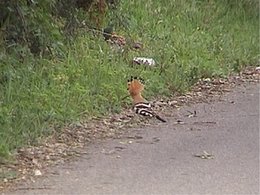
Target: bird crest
<point>135,86</point>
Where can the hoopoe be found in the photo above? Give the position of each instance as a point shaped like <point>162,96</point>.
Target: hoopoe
<point>135,86</point>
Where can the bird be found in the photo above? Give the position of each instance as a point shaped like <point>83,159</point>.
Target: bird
<point>141,106</point>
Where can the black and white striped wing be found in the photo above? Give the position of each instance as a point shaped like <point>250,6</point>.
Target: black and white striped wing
<point>144,109</point>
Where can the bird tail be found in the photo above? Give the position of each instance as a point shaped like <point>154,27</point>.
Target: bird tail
<point>160,118</point>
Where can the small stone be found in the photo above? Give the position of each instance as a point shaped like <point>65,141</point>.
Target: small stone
<point>37,172</point>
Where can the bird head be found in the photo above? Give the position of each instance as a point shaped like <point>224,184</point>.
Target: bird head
<point>135,86</point>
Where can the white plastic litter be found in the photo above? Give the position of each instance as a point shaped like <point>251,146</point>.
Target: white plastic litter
<point>144,61</point>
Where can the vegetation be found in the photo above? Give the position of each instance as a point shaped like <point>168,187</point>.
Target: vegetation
<point>54,69</point>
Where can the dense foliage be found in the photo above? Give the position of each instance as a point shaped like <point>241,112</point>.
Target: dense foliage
<point>42,26</point>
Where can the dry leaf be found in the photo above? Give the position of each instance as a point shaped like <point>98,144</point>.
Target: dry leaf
<point>205,155</point>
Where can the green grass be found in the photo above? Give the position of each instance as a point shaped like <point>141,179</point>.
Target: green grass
<point>188,39</point>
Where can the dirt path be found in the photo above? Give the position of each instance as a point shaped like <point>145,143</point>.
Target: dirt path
<point>170,158</point>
